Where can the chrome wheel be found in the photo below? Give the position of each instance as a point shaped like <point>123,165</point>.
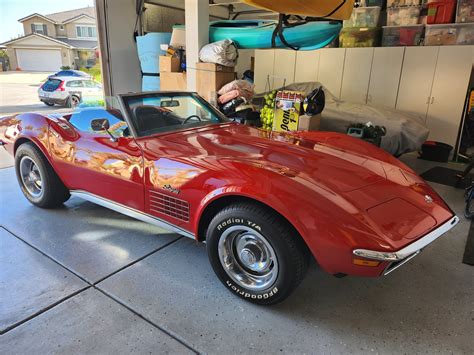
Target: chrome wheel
<point>248,258</point>
<point>75,101</point>
<point>31,177</point>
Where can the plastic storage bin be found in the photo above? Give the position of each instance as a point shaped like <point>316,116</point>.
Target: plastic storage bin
<point>359,37</point>
<point>364,17</point>
<point>403,16</point>
<point>394,36</point>
<point>465,11</point>
<point>440,12</point>
<point>394,3</point>
<point>366,3</point>
<point>455,33</point>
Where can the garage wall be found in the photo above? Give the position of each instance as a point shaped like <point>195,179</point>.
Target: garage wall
<point>120,64</point>
<point>430,81</point>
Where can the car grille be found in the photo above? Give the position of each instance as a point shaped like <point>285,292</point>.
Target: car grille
<point>170,206</point>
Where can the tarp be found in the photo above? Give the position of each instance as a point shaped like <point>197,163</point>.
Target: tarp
<point>406,132</point>
<point>148,49</point>
<point>331,9</point>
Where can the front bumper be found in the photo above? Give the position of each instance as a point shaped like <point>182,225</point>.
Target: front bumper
<point>400,257</point>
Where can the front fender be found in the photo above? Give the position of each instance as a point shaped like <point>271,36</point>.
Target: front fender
<point>329,224</point>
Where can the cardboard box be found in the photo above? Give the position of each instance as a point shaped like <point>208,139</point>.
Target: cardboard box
<point>173,81</point>
<point>169,64</point>
<point>288,107</point>
<point>214,67</point>
<point>210,78</point>
<point>309,123</point>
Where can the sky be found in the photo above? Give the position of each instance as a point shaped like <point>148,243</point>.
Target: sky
<point>12,10</point>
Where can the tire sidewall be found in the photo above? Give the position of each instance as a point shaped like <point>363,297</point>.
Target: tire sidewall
<point>279,289</point>
<point>26,150</point>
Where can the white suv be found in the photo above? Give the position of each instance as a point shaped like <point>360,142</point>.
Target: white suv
<point>69,91</point>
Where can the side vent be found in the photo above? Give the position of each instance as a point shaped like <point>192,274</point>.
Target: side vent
<point>170,206</point>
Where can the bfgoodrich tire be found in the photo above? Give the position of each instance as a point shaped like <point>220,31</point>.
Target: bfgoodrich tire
<point>37,179</point>
<point>255,253</point>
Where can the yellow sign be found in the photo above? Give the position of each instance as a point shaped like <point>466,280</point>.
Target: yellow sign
<point>287,111</point>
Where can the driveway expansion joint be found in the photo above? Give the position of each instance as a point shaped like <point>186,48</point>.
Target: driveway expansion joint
<point>94,286</point>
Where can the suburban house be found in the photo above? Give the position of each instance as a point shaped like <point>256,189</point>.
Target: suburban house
<point>67,38</point>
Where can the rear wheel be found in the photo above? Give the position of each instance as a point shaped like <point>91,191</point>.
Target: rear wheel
<point>38,181</point>
<point>255,253</point>
<point>73,101</point>
<point>48,103</point>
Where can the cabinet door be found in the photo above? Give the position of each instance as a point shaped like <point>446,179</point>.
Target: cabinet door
<point>307,65</point>
<point>264,60</point>
<point>284,68</point>
<point>448,95</point>
<point>331,67</point>
<point>355,80</point>
<point>416,80</point>
<point>385,76</point>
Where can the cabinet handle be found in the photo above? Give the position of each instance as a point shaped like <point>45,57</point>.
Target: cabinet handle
<point>428,100</point>
<point>432,99</point>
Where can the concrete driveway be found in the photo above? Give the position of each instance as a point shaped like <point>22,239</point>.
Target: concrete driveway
<point>83,279</point>
<point>18,92</point>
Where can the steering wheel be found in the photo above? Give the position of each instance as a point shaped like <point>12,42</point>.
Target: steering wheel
<point>189,117</point>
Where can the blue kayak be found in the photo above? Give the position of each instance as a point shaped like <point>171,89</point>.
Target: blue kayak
<point>253,34</point>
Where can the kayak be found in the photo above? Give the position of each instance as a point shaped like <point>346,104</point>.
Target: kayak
<point>330,9</point>
<point>257,34</point>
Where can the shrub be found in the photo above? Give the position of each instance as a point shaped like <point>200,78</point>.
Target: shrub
<point>94,71</point>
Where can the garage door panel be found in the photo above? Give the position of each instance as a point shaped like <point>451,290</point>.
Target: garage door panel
<point>39,59</point>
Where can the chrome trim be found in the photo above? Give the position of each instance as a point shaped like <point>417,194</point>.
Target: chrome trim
<point>411,248</point>
<point>390,267</point>
<point>131,212</point>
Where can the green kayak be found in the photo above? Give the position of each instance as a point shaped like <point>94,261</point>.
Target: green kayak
<point>254,34</point>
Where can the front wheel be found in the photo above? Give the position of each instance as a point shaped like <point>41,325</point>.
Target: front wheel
<point>255,253</point>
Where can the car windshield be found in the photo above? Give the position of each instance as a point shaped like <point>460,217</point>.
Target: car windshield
<point>153,113</point>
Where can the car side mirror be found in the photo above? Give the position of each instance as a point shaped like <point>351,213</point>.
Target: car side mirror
<point>100,124</point>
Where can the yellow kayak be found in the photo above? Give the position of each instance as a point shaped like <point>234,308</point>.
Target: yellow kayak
<point>331,9</point>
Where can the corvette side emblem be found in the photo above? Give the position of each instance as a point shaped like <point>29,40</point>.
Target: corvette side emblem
<point>428,199</point>
<point>171,189</point>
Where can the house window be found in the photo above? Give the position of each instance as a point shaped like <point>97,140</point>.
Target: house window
<point>86,32</point>
<point>39,28</point>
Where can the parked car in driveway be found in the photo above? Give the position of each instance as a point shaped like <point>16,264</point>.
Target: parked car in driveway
<point>69,91</point>
<point>70,72</point>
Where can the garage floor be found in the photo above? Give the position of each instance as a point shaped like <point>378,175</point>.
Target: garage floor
<point>85,279</point>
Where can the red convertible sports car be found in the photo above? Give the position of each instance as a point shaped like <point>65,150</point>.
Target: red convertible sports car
<point>263,202</point>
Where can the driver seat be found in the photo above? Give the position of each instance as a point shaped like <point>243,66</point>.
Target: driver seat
<point>149,117</point>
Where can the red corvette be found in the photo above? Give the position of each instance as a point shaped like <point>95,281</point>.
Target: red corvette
<point>263,202</point>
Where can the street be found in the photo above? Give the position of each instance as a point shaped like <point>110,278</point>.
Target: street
<point>18,93</point>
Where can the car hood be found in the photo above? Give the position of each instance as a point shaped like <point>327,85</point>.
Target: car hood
<point>362,179</point>
<point>331,160</point>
